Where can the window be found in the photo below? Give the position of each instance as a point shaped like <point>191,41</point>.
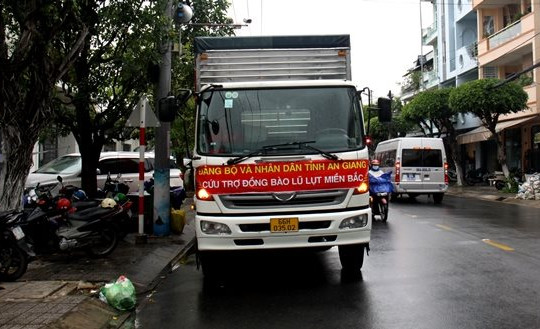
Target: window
<point>422,158</point>
<point>489,26</point>
<point>119,166</point>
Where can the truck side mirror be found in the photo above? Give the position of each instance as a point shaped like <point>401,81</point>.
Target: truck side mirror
<point>182,97</point>
<point>170,105</point>
<point>385,109</point>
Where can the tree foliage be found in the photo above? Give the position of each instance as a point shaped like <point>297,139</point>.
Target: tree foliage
<point>432,107</point>
<point>39,41</point>
<point>399,126</point>
<point>489,100</point>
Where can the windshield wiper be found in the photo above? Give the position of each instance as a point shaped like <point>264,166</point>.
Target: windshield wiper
<point>246,156</point>
<point>300,145</point>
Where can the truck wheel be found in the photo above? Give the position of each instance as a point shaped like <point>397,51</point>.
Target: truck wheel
<point>351,257</point>
<point>211,264</point>
<point>437,197</point>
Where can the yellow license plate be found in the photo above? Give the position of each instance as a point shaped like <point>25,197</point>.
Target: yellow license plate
<point>284,224</point>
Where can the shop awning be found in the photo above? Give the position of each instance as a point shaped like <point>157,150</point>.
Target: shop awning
<point>481,133</point>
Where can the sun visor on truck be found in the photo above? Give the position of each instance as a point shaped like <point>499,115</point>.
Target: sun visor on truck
<point>203,44</point>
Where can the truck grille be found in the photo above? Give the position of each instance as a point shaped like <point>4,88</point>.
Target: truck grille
<point>283,200</point>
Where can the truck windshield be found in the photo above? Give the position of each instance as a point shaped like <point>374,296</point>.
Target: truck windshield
<point>239,122</point>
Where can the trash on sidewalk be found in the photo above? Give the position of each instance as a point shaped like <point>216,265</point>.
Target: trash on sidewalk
<point>530,190</point>
<point>178,220</point>
<point>119,294</point>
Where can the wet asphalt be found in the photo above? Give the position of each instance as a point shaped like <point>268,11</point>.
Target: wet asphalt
<point>462,264</point>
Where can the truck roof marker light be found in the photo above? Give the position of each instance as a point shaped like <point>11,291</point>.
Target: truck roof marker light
<point>362,188</point>
<point>342,53</point>
<point>203,56</point>
<point>203,195</point>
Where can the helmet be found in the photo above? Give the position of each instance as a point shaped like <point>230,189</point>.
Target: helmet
<point>375,162</point>
<point>63,203</point>
<point>120,197</point>
<point>79,195</point>
<point>108,203</point>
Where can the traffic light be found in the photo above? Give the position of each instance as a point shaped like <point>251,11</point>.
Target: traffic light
<point>183,13</point>
<point>385,109</point>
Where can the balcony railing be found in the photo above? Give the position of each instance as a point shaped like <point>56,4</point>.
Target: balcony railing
<point>430,79</point>
<point>429,33</point>
<point>508,33</point>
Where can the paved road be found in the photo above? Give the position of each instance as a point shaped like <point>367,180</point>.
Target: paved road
<point>463,264</point>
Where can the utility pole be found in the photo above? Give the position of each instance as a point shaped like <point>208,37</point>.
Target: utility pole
<point>162,202</point>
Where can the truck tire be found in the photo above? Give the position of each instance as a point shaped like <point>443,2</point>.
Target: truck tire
<point>351,257</point>
<point>437,197</point>
<point>211,264</point>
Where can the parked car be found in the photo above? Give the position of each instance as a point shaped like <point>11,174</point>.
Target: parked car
<point>124,163</point>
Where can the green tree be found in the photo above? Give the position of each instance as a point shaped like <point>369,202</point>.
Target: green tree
<point>39,41</point>
<point>431,106</point>
<point>206,12</point>
<point>488,100</point>
<point>121,62</point>
<point>399,126</point>
<point>109,76</point>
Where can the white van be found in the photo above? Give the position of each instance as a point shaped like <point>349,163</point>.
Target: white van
<point>418,165</point>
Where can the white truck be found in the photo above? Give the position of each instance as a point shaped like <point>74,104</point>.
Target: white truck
<point>280,157</point>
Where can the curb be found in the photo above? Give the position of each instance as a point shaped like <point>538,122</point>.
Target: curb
<point>92,313</point>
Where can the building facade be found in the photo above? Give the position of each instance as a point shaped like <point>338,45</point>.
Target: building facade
<point>509,43</point>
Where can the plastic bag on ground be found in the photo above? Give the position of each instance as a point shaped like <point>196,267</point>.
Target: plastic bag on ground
<point>120,294</point>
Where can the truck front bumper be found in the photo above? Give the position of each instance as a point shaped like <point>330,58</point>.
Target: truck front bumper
<point>253,232</point>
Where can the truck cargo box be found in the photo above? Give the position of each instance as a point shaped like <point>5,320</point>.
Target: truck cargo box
<point>272,58</point>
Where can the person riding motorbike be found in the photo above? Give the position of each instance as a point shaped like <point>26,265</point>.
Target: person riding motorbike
<point>380,187</point>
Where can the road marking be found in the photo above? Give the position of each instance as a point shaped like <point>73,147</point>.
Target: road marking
<point>498,245</point>
<point>444,227</point>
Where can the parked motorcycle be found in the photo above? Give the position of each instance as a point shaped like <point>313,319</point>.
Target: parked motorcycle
<point>54,226</point>
<point>476,176</point>
<point>14,251</point>
<point>379,190</point>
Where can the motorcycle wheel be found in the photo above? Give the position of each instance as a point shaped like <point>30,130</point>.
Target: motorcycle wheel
<point>383,210</point>
<point>105,242</point>
<point>13,262</point>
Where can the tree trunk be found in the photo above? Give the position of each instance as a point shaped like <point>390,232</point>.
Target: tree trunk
<point>501,156</point>
<point>17,147</point>
<point>90,160</point>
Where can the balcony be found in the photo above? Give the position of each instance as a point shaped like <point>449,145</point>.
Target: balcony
<point>504,35</point>
<point>430,79</point>
<point>429,34</point>
<point>514,40</point>
<point>488,3</point>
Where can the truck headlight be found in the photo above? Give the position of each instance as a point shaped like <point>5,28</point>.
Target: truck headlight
<point>214,228</point>
<point>354,222</point>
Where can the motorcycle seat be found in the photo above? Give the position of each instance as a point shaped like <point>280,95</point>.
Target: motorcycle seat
<point>90,214</point>
<point>80,205</point>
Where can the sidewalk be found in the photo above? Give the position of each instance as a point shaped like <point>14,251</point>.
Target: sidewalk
<point>490,193</point>
<point>59,291</point>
